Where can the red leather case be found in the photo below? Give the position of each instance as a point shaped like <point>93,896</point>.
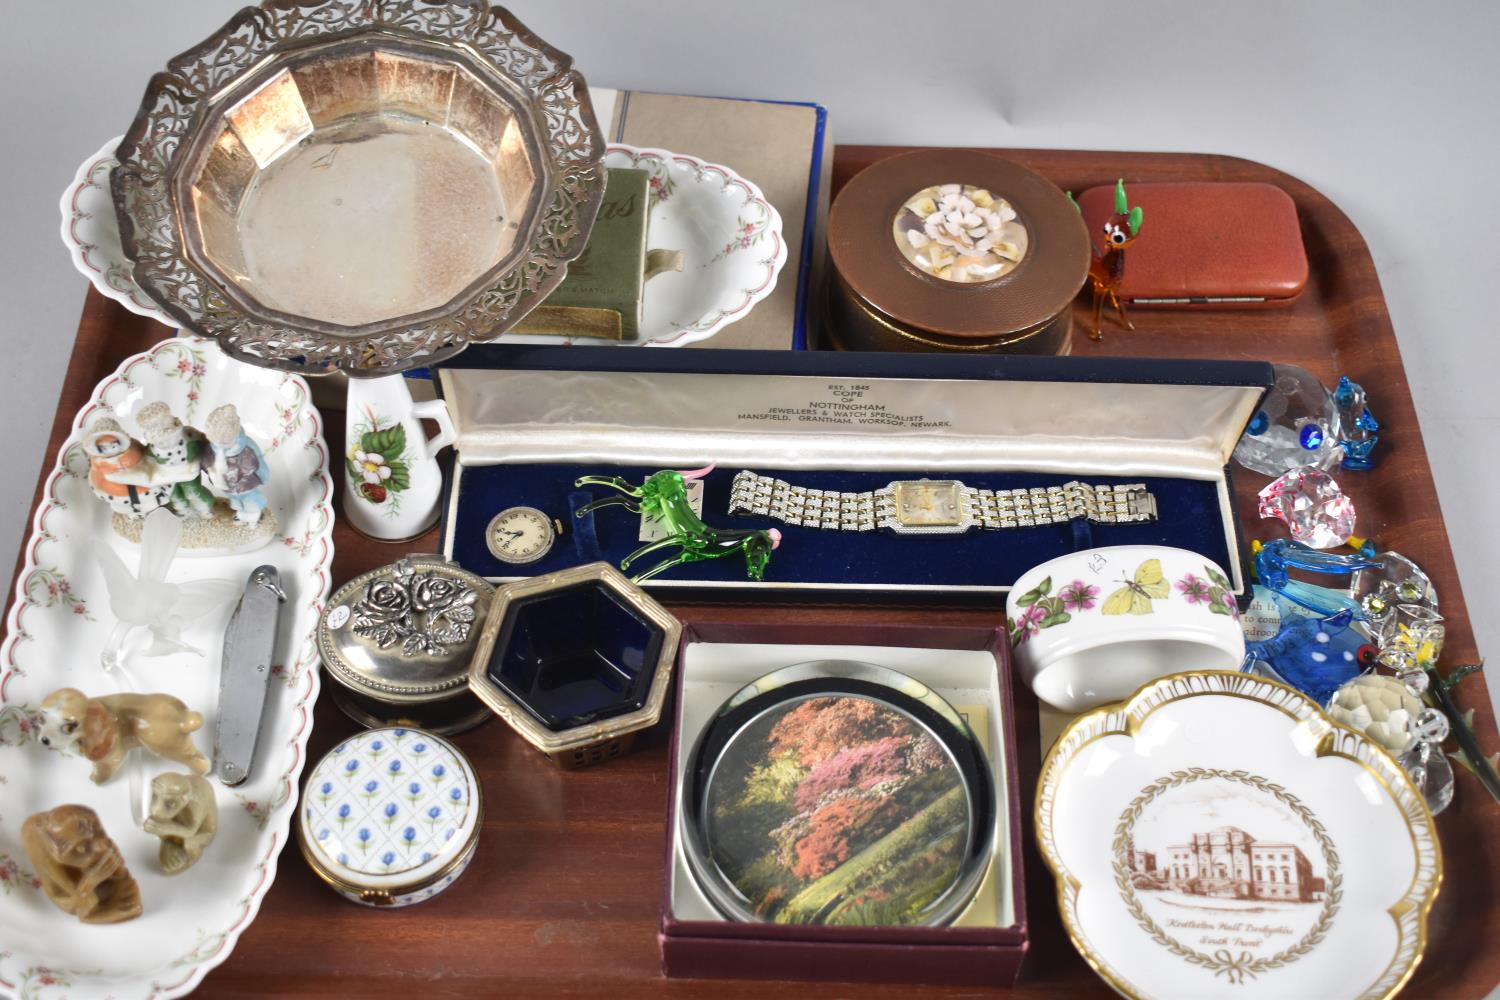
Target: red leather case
<point>1206,244</point>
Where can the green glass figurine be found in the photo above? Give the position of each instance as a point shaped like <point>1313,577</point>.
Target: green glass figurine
<point>664,496</point>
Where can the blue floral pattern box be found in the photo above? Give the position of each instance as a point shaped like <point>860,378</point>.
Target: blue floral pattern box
<point>390,817</point>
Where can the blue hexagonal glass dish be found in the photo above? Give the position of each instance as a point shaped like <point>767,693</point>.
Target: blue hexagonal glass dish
<point>576,661</point>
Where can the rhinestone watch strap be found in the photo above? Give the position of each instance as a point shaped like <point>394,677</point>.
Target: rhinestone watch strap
<point>826,509</point>
<point>764,496</point>
<point>1125,504</point>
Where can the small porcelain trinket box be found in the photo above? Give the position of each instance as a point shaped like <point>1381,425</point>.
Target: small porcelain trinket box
<point>1092,626</point>
<point>397,641</point>
<point>390,817</point>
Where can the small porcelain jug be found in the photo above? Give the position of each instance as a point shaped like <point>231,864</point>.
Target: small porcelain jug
<point>392,482</point>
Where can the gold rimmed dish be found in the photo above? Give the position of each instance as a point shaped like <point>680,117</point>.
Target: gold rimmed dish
<point>1216,835</point>
<point>361,186</point>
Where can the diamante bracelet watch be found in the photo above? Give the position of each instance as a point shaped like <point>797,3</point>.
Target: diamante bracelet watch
<point>937,506</point>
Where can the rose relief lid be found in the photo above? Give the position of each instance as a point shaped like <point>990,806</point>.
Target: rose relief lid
<point>389,810</point>
<point>405,632</point>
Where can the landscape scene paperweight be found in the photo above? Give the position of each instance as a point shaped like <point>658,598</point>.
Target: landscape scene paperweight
<point>839,793</point>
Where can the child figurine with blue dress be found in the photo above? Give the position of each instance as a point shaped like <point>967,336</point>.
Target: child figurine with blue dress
<point>237,469</point>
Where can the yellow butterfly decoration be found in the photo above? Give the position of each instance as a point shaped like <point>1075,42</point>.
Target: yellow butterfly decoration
<point>1135,597</point>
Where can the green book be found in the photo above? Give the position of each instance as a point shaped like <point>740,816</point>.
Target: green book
<point>601,295</point>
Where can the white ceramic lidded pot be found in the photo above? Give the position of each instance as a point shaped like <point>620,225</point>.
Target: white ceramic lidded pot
<point>390,817</point>
<point>1093,626</point>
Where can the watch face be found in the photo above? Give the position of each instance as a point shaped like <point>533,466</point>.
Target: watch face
<point>928,503</point>
<point>519,535</point>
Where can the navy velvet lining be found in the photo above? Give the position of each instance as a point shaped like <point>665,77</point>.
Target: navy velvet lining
<point>1189,517</point>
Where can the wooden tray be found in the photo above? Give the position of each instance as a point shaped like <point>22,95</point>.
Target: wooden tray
<point>563,896</point>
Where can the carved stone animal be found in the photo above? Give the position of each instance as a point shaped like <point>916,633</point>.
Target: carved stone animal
<point>81,869</point>
<point>185,816</point>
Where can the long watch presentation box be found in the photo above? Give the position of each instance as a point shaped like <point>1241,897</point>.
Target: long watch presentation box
<point>531,421</point>
<point>970,668</point>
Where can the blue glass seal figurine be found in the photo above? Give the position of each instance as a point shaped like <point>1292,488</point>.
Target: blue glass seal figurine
<point>664,497</point>
<point>1297,425</point>
<point>1360,428</point>
<point>1274,558</point>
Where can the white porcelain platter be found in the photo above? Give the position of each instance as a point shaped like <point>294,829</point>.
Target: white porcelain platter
<point>54,635</point>
<point>730,236</point>
<point>1216,835</point>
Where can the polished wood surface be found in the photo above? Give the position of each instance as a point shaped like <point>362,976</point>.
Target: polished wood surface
<point>563,896</point>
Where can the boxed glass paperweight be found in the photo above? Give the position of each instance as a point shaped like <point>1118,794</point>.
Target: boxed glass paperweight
<point>576,662</point>
<point>838,792</point>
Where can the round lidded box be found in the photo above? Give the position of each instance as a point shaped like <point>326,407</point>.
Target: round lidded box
<point>842,793</point>
<point>390,817</point>
<point>397,642</point>
<point>954,250</point>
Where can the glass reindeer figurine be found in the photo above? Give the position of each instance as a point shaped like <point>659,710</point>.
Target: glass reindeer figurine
<point>664,496</point>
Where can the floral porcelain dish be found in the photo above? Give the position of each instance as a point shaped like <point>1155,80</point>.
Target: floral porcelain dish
<point>729,233</point>
<point>55,632</point>
<point>1092,626</point>
<point>1217,835</point>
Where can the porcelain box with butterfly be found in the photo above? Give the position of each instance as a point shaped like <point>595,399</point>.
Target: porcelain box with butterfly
<point>530,421</point>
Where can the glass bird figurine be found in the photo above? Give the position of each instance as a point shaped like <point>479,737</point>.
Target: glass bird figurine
<point>664,496</point>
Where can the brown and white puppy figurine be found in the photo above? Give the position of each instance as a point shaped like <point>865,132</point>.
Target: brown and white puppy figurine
<point>107,728</point>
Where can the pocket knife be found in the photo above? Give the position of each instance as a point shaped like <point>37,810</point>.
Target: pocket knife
<point>245,674</point>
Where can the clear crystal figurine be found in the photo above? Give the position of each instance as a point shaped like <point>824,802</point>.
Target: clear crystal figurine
<point>1297,424</point>
<point>1312,506</point>
<point>1389,711</point>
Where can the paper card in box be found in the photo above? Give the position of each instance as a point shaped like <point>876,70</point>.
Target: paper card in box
<point>531,421</point>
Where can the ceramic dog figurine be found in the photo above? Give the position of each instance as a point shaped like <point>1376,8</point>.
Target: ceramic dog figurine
<point>81,869</point>
<point>106,729</point>
<point>184,814</point>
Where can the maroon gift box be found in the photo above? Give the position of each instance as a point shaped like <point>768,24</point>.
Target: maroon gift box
<point>959,956</point>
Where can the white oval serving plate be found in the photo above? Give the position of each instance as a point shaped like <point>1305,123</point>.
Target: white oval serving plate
<point>1216,835</point>
<point>55,631</point>
<point>730,236</point>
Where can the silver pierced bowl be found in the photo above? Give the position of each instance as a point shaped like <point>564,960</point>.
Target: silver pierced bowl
<point>367,185</point>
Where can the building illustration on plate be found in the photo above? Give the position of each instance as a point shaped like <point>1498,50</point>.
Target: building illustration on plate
<point>1228,862</point>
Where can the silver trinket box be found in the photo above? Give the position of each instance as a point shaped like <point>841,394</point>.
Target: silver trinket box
<point>397,642</point>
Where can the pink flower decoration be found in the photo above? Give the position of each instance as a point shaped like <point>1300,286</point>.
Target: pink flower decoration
<point>1078,596</point>
<point>1195,589</point>
<point>184,365</point>
<point>1029,623</point>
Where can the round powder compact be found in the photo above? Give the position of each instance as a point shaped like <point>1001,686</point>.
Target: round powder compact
<point>841,793</point>
<point>953,250</point>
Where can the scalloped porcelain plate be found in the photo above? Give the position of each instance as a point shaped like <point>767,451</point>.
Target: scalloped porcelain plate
<point>55,631</point>
<point>729,233</point>
<point>1216,835</point>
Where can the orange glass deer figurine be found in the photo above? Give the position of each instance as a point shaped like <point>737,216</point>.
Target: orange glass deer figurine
<point>1107,269</point>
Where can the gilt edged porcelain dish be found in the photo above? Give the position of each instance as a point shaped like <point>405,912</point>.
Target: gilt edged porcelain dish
<point>729,235</point>
<point>364,186</point>
<point>55,632</point>
<point>1216,835</point>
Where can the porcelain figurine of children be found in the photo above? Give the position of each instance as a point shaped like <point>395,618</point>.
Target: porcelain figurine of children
<point>237,467</point>
<point>180,454</point>
<point>111,452</point>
